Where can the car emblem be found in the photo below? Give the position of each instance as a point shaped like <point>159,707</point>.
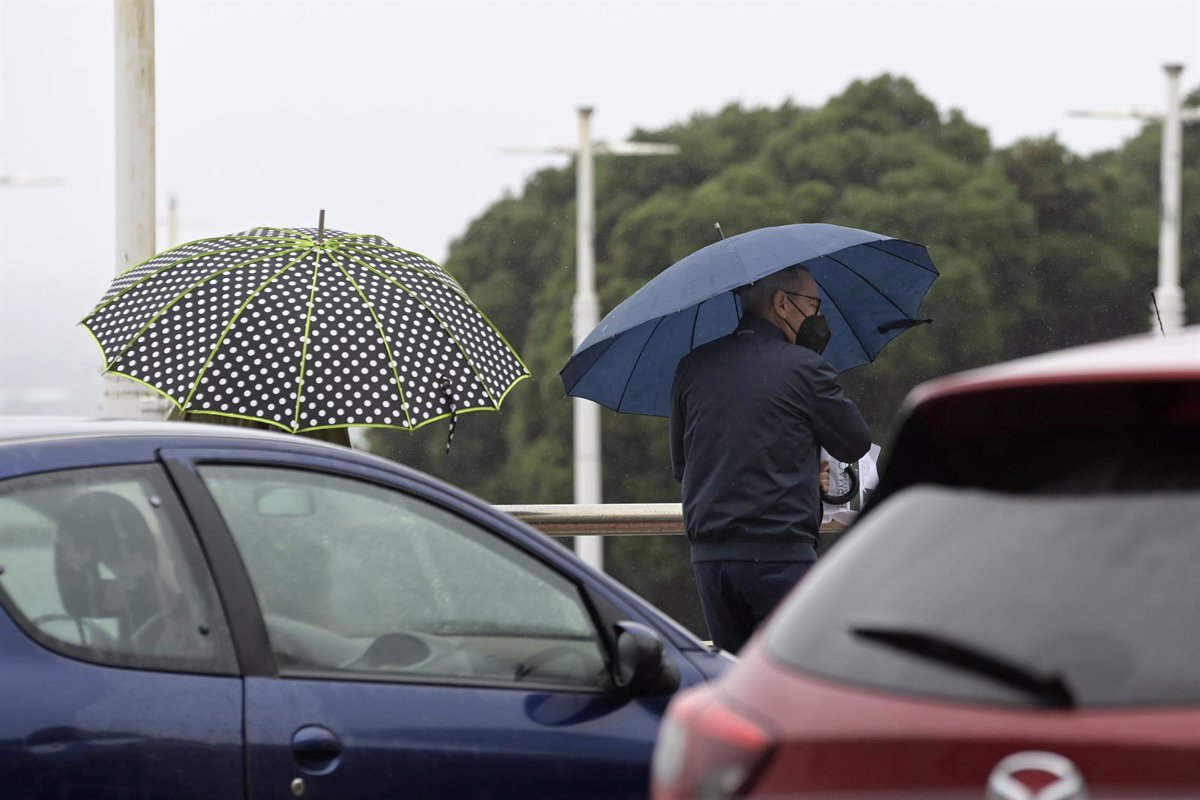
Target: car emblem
<point>1036,776</point>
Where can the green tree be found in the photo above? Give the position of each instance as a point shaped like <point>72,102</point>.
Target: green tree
<point>1038,248</point>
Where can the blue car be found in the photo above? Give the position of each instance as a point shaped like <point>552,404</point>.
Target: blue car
<point>195,611</point>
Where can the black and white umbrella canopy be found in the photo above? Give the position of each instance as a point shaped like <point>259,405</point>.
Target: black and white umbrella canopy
<point>304,329</point>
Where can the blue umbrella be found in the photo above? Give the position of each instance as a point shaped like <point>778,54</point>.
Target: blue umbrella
<point>871,288</point>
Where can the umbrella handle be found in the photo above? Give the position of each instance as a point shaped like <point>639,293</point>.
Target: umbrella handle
<point>846,496</point>
<point>446,398</point>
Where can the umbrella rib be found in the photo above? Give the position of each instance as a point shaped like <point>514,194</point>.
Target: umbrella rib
<point>457,287</point>
<point>872,245</point>
<point>695,323</point>
<point>849,327</point>
<point>470,361</point>
<point>429,421</point>
<point>638,360</point>
<point>174,301</point>
<point>439,274</point>
<point>172,265</point>
<point>864,279</point>
<point>312,293</point>
<point>496,402</point>
<point>232,320</point>
<point>387,346</point>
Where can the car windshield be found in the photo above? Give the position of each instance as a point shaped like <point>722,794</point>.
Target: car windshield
<point>992,598</point>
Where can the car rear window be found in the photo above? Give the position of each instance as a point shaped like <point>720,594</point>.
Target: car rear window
<point>1070,600</point>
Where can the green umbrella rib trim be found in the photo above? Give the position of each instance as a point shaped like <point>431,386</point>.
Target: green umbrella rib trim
<point>440,274</point>
<point>434,314</point>
<point>460,290</point>
<point>175,301</point>
<point>289,236</point>
<point>312,294</point>
<point>429,421</point>
<point>232,321</point>
<point>275,250</point>
<point>387,346</point>
<point>287,429</point>
<point>478,376</point>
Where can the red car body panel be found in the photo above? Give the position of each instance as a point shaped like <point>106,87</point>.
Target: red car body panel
<point>1141,358</point>
<point>1126,381</point>
<point>832,739</point>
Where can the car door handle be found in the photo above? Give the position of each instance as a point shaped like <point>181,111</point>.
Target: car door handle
<point>317,750</point>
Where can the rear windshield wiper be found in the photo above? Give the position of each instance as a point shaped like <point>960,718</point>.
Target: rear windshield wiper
<point>1051,691</point>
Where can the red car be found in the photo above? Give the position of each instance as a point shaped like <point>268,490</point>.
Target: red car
<point>1016,614</point>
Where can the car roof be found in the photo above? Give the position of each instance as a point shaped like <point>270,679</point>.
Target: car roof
<point>26,428</point>
<point>1139,358</point>
<point>1013,426</point>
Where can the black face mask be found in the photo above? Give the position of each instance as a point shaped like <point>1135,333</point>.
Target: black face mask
<point>814,332</point>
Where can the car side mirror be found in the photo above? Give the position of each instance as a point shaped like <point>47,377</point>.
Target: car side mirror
<point>641,666</point>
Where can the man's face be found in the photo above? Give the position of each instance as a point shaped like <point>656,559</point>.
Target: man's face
<point>796,303</point>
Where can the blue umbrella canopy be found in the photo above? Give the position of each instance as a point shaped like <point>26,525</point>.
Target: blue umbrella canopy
<point>871,288</point>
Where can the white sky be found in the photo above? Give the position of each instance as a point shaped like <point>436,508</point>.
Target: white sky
<point>392,116</point>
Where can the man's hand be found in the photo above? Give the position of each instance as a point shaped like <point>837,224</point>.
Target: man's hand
<point>824,476</point>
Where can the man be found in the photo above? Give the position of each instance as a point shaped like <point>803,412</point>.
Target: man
<point>750,414</point>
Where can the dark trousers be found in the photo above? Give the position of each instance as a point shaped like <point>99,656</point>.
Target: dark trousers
<point>736,596</point>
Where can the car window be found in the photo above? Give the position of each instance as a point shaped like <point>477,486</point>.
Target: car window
<point>100,564</point>
<point>1073,459</point>
<point>356,577</point>
<point>1076,600</point>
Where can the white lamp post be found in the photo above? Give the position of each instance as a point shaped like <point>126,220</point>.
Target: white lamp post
<point>1167,312</point>
<point>585,313</point>
<point>1169,287</point>
<point>586,307</point>
<point>135,165</point>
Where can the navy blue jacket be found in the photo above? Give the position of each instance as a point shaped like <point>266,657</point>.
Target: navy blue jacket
<point>749,415</point>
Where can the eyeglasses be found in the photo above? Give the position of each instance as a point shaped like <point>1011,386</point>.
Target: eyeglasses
<point>816,300</point>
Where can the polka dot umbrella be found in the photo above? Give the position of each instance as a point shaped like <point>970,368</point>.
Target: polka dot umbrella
<point>304,329</point>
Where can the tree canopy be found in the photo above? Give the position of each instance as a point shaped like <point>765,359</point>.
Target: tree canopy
<point>1038,248</point>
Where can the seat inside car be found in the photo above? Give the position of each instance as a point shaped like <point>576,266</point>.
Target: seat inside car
<point>106,564</point>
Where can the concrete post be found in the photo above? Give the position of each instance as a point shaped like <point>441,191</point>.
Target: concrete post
<point>135,166</point>
<point>1169,293</point>
<point>585,316</point>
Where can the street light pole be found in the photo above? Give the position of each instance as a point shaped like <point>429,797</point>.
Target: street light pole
<point>585,314</point>
<point>1169,293</point>
<point>1167,310</point>
<point>585,307</point>
<point>135,166</point>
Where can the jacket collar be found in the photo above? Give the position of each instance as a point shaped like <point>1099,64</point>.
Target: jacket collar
<point>751,323</point>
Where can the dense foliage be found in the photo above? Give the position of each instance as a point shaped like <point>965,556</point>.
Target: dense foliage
<point>1038,248</point>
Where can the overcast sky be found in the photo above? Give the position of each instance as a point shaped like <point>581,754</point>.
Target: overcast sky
<point>393,116</point>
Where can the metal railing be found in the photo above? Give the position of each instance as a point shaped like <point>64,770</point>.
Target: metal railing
<point>609,519</point>
<point>604,519</point>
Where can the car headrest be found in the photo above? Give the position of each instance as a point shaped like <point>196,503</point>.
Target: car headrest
<point>105,559</point>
